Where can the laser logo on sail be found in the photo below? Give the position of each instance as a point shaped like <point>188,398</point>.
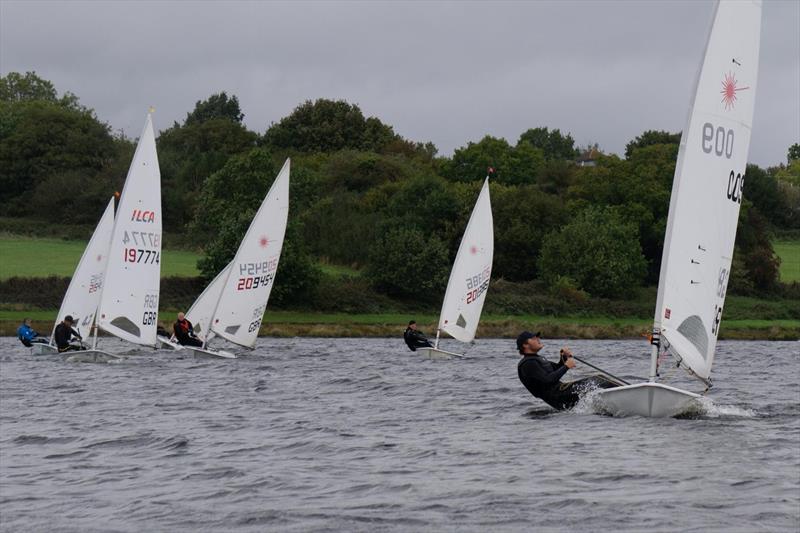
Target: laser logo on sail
<point>729,90</point>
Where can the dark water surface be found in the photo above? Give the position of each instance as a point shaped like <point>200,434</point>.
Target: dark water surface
<point>344,435</point>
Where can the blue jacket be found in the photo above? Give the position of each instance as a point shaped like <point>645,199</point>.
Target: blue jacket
<point>26,333</point>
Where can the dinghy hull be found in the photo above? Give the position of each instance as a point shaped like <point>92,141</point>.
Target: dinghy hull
<point>210,354</point>
<point>43,349</point>
<point>166,344</point>
<point>90,356</point>
<point>435,353</point>
<point>647,399</point>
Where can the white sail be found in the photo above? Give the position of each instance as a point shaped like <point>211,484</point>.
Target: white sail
<point>129,303</point>
<point>83,294</point>
<point>245,293</point>
<point>472,269</point>
<point>707,188</point>
<point>202,310</point>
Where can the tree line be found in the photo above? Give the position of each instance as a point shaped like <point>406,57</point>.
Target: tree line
<point>365,197</point>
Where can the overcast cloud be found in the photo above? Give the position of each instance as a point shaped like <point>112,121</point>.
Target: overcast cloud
<point>447,72</point>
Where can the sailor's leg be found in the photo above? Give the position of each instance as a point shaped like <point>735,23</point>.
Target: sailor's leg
<point>563,397</point>
<point>568,394</point>
<point>597,381</point>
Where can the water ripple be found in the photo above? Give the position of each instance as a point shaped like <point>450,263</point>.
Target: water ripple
<point>362,435</point>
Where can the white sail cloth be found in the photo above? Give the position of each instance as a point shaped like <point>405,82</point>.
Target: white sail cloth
<point>471,272</point>
<point>202,310</point>
<point>243,299</point>
<point>129,301</point>
<point>83,294</point>
<point>707,188</point>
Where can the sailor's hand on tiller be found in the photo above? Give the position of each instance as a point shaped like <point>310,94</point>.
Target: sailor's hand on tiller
<point>569,362</point>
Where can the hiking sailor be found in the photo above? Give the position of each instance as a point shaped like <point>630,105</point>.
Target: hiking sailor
<point>27,335</point>
<point>64,334</point>
<point>184,332</point>
<point>542,378</point>
<point>415,338</point>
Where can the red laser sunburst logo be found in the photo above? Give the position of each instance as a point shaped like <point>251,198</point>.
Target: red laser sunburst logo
<point>729,90</point>
<point>473,249</point>
<point>263,241</point>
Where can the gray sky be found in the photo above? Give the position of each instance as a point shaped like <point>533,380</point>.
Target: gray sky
<point>448,72</point>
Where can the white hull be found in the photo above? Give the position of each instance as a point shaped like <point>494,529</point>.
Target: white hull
<point>210,354</point>
<point>435,353</point>
<point>90,356</point>
<point>43,349</point>
<point>647,399</point>
<point>165,343</point>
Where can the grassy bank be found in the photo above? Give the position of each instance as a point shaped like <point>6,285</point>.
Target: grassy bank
<point>789,252</point>
<point>34,258</point>
<point>303,324</point>
<point>345,304</point>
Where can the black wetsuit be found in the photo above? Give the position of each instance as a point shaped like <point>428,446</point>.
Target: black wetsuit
<point>543,379</point>
<point>415,339</point>
<point>63,335</point>
<point>184,332</point>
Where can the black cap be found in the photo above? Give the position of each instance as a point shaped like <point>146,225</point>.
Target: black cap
<point>412,322</point>
<point>68,318</point>
<point>524,336</point>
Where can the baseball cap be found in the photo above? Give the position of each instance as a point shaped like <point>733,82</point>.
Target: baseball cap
<point>523,337</point>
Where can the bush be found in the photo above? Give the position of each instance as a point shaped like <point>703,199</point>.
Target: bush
<point>403,262</point>
<point>598,251</point>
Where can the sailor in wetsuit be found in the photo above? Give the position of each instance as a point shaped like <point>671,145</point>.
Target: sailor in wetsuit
<point>65,334</point>
<point>27,335</point>
<point>184,332</point>
<point>414,338</point>
<point>543,378</point>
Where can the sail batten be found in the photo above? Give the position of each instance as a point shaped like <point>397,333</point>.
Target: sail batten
<point>707,188</point>
<point>471,272</point>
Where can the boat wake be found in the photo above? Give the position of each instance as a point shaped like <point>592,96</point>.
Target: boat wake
<point>709,409</point>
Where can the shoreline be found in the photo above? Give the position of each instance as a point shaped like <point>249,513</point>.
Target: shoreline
<point>300,324</point>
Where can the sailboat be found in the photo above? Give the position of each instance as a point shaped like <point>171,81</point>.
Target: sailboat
<point>703,215</point>
<point>83,294</point>
<point>469,279</point>
<point>201,311</point>
<point>129,297</point>
<point>233,304</point>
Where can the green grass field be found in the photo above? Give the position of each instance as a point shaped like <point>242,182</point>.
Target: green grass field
<point>32,258</point>
<point>428,322</point>
<point>789,252</point>
<point>338,270</point>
